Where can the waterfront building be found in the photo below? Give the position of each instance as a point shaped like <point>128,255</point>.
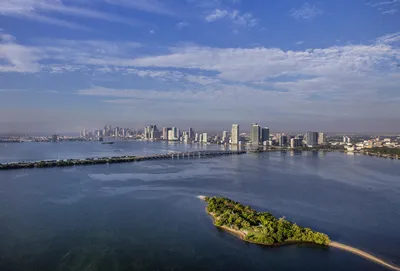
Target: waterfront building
<point>171,135</point>
<point>165,132</point>
<point>295,142</point>
<point>196,137</point>
<point>224,136</point>
<point>282,140</point>
<point>235,134</point>
<point>205,138</point>
<point>321,139</point>
<point>346,139</point>
<point>264,135</point>
<point>312,139</point>
<point>200,138</point>
<point>191,133</point>
<point>255,134</point>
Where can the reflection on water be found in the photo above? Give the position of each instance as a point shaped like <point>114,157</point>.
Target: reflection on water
<point>145,216</point>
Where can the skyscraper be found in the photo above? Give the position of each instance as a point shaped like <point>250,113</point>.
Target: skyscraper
<point>205,137</point>
<point>282,140</point>
<point>235,134</point>
<point>264,134</point>
<point>312,139</point>
<point>191,133</point>
<point>165,132</point>
<point>175,133</point>
<point>321,139</point>
<point>255,134</point>
<point>225,136</point>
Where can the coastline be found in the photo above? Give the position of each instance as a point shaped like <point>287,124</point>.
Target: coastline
<point>333,244</point>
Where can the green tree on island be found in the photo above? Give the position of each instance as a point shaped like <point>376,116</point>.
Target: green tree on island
<point>259,227</point>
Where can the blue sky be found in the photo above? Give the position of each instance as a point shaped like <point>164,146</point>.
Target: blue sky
<point>292,65</point>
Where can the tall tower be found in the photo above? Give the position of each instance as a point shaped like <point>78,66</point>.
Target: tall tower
<point>255,134</point>
<point>235,134</point>
<point>264,134</point>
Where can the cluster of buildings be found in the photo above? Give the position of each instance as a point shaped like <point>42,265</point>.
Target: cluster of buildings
<point>375,142</point>
<point>258,136</point>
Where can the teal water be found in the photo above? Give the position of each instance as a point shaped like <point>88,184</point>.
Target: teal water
<point>145,216</point>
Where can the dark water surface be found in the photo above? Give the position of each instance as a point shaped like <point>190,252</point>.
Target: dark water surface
<point>145,216</point>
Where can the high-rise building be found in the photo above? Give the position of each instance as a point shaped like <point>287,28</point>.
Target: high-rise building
<point>205,137</point>
<point>264,134</point>
<point>196,137</point>
<point>235,134</point>
<point>54,138</point>
<point>321,139</point>
<point>165,132</point>
<point>255,134</point>
<point>171,135</point>
<point>295,142</point>
<point>191,133</point>
<point>312,139</point>
<point>200,138</point>
<point>282,140</point>
<point>225,136</point>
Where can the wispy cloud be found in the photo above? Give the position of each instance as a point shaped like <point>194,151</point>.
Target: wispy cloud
<point>46,11</point>
<point>151,6</point>
<point>299,42</point>
<point>306,11</point>
<point>236,17</point>
<point>391,11</point>
<point>385,7</point>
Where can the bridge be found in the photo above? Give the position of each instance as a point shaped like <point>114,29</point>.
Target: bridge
<point>118,159</point>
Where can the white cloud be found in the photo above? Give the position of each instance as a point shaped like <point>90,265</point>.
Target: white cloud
<point>299,42</point>
<point>46,11</point>
<point>306,11</point>
<point>216,15</point>
<point>236,17</point>
<point>17,58</point>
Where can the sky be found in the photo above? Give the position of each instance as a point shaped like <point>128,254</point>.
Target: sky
<point>291,65</point>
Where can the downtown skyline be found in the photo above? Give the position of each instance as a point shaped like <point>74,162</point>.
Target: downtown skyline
<point>329,66</point>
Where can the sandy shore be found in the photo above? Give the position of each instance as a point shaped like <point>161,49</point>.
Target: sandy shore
<point>337,245</point>
<point>364,255</point>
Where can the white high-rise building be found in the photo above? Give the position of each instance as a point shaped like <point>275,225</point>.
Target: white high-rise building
<point>321,138</point>
<point>235,134</point>
<point>205,137</point>
<point>200,138</point>
<point>255,134</point>
<point>225,136</point>
<point>171,134</point>
<point>346,139</point>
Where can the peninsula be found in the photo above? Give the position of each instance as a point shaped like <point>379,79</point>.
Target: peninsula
<point>263,228</point>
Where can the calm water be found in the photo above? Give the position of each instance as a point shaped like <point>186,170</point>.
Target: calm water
<point>145,216</point>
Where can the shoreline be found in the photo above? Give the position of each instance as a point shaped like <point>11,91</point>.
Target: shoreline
<point>241,235</point>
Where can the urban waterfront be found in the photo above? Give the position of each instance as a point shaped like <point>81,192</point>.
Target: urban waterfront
<point>145,216</point>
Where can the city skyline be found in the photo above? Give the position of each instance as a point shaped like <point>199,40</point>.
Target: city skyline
<point>302,65</point>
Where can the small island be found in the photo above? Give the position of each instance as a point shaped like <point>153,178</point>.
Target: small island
<point>259,227</point>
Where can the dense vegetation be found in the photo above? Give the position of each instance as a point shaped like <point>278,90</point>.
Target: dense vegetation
<point>384,150</point>
<point>260,227</point>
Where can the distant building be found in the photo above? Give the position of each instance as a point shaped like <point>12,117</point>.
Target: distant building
<point>321,139</point>
<point>264,135</point>
<point>165,132</point>
<point>282,140</point>
<point>346,139</point>
<point>295,142</point>
<point>196,137</point>
<point>235,134</point>
<point>205,138</point>
<point>191,133</point>
<point>54,138</point>
<point>171,135</point>
<point>200,138</point>
<point>225,137</point>
<point>255,134</point>
<point>312,139</point>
